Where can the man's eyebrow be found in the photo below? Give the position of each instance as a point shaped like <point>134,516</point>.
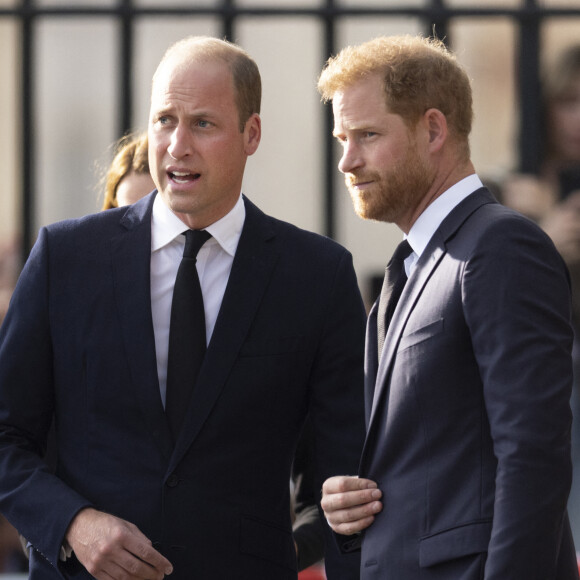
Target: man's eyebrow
<point>352,129</point>
<point>161,110</point>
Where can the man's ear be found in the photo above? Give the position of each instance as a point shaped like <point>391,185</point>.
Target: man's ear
<point>436,124</point>
<point>252,134</point>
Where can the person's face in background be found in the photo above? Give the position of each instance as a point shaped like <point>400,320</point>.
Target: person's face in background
<point>197,153</point>
<point>564,124</point>
<point>133,187</point>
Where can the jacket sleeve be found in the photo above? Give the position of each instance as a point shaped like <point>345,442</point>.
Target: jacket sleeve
<point>516,298</point>
<point>32,498</point>
<point>307,528</point>
<point>337,405</point>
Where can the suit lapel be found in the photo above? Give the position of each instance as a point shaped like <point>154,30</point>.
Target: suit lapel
<point>371,360</point>
<point>131,259</point>
<point>251,271</point>
<point>413,289</point>
<point>430,259</point>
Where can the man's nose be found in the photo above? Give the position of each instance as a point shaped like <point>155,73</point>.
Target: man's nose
<point>350,159</point>
<point>181,143</point>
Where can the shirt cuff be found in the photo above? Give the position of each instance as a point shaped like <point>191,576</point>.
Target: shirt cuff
<point>65,552</point>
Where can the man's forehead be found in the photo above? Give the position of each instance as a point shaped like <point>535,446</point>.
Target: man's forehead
<point>185,63</point>
<point>186,78</point>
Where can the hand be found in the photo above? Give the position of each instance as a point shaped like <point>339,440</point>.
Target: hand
<point>350,503</point>
<point>109,547</point>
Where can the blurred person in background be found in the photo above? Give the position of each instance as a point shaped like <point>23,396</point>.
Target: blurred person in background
<point>128,179</point>
<point>551,197</point>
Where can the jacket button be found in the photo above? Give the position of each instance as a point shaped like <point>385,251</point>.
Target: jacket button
<point>172,480</point>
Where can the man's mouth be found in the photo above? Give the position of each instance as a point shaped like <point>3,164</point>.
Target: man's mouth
<point>358,183</point>
<point>183,177</point>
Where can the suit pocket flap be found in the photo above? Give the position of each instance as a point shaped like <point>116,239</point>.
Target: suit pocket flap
<point>267,541</point>
<point>454,543</point>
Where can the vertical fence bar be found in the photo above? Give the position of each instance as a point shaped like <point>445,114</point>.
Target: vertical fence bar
<point>439,25</point>
<point>28,145</point>
<point>126,38</point>
<point>228,20</point>
<point>528,75</point>
<point>329,202</point>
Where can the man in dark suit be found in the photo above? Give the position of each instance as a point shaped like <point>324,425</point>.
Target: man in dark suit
<point>466,467</point>
<point>85,344</point>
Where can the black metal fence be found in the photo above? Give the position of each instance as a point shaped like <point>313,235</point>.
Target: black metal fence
<point>435,15</point>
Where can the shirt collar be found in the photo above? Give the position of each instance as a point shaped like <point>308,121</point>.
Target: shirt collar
<point>166,226</point>
<point>431,218</point>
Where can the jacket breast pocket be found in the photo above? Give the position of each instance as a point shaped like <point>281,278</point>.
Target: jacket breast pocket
<point>417,335</point>
<point>465,540</point>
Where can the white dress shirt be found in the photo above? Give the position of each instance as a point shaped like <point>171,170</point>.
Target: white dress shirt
<point>214,263</point>
<point>427,223</point>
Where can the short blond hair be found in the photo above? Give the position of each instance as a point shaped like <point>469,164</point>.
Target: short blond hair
<point>245,73</point>
<point>418,74</point>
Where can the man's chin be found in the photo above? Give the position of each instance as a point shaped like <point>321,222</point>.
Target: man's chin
<point>361,205</point>
<point>367,212</point>
<point>179,202</point>
<point>377,217</point>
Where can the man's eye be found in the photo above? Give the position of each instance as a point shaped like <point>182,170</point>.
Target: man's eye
<point>203,124</point>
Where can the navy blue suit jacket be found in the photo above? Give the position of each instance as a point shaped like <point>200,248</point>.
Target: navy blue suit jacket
<point>77,345</point>
<point>468,408</point>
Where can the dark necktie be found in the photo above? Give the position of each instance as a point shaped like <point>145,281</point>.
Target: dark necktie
<point>187,341</point>
<point>393,285</point>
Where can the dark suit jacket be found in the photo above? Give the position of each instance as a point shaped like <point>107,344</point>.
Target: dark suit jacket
<point>469,421</point>
<point>78,344</point>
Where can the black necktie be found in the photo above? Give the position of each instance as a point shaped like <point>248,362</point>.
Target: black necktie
<point>187,341</point>
<point>393,285</point>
